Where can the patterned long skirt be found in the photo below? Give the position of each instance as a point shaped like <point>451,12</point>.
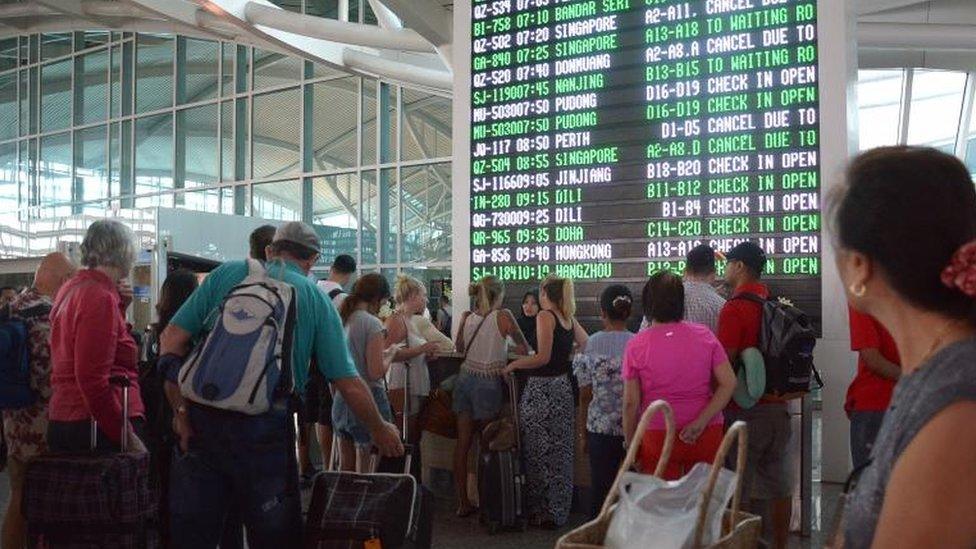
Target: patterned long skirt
<point>546,415</point>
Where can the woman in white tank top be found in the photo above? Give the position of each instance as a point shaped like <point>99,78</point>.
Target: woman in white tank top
<point>486,346</point>
<point>411,357</point>
<point>480,389</point>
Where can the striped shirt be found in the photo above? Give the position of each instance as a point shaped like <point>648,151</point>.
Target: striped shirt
<point>702,305</point>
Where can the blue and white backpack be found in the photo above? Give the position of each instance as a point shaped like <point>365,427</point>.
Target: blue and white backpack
<point>244,363</point>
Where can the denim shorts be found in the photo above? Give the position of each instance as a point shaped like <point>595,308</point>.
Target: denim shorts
<point>479,396</point>
<point>347,425</point>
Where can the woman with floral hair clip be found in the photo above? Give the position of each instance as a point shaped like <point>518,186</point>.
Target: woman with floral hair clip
<point>905,232</point>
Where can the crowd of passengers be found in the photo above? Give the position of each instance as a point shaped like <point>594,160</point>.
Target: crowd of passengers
<point>903,228</point>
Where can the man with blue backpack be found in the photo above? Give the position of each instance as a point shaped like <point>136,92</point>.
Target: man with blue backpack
<point>25,381</point>
<point>233,396</point>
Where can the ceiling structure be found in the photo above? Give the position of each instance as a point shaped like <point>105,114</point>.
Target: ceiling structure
<point>412,42</point>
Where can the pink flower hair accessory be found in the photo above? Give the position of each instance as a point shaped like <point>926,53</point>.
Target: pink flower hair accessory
<point>960,273</point>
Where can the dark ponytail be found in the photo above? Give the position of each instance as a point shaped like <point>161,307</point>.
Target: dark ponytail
<point>910,209</point>
<point>616,302</point>
<point>370,288</point>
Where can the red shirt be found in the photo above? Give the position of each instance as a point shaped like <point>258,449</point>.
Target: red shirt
<point>870,392</point>
<point>740,320</point>
<point>90,342</point>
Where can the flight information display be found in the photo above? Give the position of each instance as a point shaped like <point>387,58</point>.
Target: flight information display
<point>610,137</point>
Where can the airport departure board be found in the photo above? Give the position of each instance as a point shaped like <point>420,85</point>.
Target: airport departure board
<point>610,137</point>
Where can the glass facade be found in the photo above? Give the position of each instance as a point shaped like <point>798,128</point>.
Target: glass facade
<point>924,107</point>
<point>95,125</point>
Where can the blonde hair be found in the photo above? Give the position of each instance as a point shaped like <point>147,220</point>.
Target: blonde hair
<point>406,286</point>
<point>487,293</point>
<point>561,293</point>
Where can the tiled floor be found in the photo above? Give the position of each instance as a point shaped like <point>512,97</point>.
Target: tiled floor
<point>454,533</point>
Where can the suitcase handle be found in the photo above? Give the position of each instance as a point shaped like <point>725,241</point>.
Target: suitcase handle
<point>406,400</point>
<point>118,381</point>
<point>406,385</point>
<point>514,397</point>
<point>374,459</point>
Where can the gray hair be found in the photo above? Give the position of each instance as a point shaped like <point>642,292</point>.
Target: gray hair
<point>109,243</point>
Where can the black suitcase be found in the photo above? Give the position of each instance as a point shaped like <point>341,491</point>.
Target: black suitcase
<point>501,482</point>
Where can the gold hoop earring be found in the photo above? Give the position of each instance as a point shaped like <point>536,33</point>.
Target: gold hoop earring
<point>858,290</point>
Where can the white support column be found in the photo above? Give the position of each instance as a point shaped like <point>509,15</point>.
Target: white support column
<point>965,118</point>
<point>838,142</point>
<point>461,165</point>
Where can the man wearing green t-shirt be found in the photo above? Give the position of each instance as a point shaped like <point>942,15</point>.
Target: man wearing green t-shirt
<point>250,460</point>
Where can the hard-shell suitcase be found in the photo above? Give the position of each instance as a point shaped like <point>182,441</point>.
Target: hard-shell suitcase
<point>89,500</point>
<point>501,482</point>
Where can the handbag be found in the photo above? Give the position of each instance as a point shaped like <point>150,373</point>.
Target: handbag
<point>398,397</point>
<point>738,530</point>
<point>438,415</point>
<point>592,534</point>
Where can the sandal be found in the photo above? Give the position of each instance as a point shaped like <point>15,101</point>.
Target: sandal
<point>465,513</point>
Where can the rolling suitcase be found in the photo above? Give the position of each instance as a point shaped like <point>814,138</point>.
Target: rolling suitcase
<point>422,519</point>
<point>359,510</point>
<point>501,482</point>
<point>89,500</point>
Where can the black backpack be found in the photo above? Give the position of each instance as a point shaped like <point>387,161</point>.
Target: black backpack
<point>786,341</point>
<point>335,292</point>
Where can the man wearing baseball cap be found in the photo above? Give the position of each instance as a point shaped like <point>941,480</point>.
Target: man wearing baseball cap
<point>250,460</point>
<point>768,479</point>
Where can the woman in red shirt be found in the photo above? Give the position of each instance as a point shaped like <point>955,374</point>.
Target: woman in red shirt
<point>878,369</point>
<point>91,343</point>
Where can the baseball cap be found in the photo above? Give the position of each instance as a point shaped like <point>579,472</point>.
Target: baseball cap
<point>750,254</point>
<point>299,233</point>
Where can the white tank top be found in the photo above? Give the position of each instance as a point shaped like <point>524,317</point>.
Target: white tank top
<point>488,349</point>
<point>419,374</point>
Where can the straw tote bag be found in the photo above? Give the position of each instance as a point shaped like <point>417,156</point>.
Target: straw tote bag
<point>592,534</point>
<point>740,530</point>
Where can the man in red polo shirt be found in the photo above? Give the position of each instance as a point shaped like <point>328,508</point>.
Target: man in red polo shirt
<point>768,479</point>
<point>878,369</point>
